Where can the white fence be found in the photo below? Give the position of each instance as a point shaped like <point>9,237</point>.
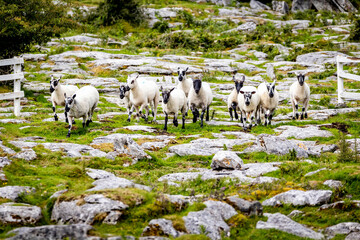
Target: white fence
<point>16,76</point>
<point>342,94</point>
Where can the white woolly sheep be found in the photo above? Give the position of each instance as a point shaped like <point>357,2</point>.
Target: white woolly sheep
<point>125,94</point>
<point>143,93</point>
<point>233,104</point>
<point>249,104</point>
<point>184,82</point>
<point>57,94</point>
<point>200,96</point>
<point>269,100</point>
<point>174,100</point>
<point>81,104</point>
<point>300,93</point>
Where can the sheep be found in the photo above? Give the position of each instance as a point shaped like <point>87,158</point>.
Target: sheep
<point>143,93</point>
<point>184,82</point>
<point>125,94</point>
<point>57,94</point>
<point>173,101</point>
<point>81,104</point>
<point>249,104</point>
<point>200,96</point>
<point>300,93</point>
<point>233,97</point>
<point>269,100</point>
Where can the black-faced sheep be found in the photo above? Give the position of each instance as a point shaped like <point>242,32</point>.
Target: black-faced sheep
<point>57,91</point>
<point>81,104</point>
<point>174,100</point>
<point>125,94</point>
<point>300,93</point>
<point>249,104</point>
<point>200,96</point>
<point>233,104</point>
<point>184,82</point>
<point>269,100</point>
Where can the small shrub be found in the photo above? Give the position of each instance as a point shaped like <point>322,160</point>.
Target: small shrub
<point>355,31</point>
<point>346,153</point>
<point>161,26</point>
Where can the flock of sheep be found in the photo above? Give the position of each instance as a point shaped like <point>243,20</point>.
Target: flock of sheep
<point>252,103</point>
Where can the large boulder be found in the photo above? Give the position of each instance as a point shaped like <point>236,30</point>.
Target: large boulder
<point>283,223</point>
<point>302,132</point>
<point>254,4</point>
<point>246,207</point>
<point>87,210</point>
<point>319,57</point>
<point>300,198</point>
<point>280,6</point>
<point>26,154</point>
<point>211,219</point>
<point>324,5</point>
<point>13,192</point>
<point>342,228</point>
<point>226,160</point>
<point>160,227</point>
<point>51,232</point>
<point>13,213</point>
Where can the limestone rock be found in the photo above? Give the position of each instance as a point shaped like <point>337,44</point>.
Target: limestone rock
<point>34,57</point>
<point>341,205</point>
<point>315,172</point>
<point>226,160</point>
<point>51,232</point>
<point>300,198</point>
<point>86,210</point>
<point>342,228</point>
<point>302,132</point>
<point>26,154</point>
<point>353,236</point>
<point>4,161</point>
<point>295,213</point>
<point>283,223</point>
<point>160,227</point>
<point>211,218</point>
<point>280,6</point>
<point>319,57</point>
<point>12,213</point>
<point>246,207</point>
<point>254,4</point>
<point>13,192</point>
<point>83,39</point>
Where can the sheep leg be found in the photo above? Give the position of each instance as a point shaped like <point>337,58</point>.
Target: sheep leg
<point>207,113</point>
<point>294,106</point>
<point>202,117</point>
<point>137,113</point>
<point>84,120</point>
<point>230,112</point>
<point>147,113</point>
<point>305,107</point>
<point>183,121</point>
<point>234,105</point>
<point>258,115</point>
<point>243,115</point>
<point>130,112</point>
<point>195,113</point>
<point>175,120</point>
<point>54,111</point>
<point>70,120</point>
<point>166,120</point>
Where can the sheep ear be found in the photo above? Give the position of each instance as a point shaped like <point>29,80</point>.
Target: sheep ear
<point>137,76</point>
<point>73,96</point>
<point>65,94</point>
<point>253,92</point>
<point>171,89</point>
<point>59,78</point>
<point>274,82</point>
<point>243,78</point>
<point>186,69</point>
<point>242,92</point>
<point>127,88</point>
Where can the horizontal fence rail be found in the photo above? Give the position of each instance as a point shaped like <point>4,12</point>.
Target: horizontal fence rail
<point>341,75</point>
<point>16,77</point>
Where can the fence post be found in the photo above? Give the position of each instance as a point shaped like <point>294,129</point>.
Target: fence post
<point>340,81</point>
<point>17,88</point>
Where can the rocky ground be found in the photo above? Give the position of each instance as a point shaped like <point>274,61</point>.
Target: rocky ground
<point>119,180</point>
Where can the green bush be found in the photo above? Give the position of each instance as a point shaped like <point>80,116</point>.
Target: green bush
<point>161,26</point>
<point>355,31</point>
<point>111,11</point>
<point>28,22</point>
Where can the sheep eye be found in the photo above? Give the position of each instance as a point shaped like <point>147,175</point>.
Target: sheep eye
<point>132,81</point>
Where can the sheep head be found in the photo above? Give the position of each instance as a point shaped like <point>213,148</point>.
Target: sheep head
<point>271,88</point>
<point>301,78</point>
<point>132,81</point>
<point>182,73</point>
<point>69,102</point>
<point>239,83</point>
<point>54,83</point>
<point>123,90</point>
<point>247,96</point>
<point>166,95</point>
<point>197,85</point>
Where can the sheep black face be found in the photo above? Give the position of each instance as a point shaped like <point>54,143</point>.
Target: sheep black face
<point>54,83</point>
<point>166,95</point>
<point>239,83</point>
<point>301,79</point>
<point>182,74</point>
<point>123,90</point>
<point>197,85</point>
<point>69,102</point>
<point>247,97</point>
<point>271,88</point>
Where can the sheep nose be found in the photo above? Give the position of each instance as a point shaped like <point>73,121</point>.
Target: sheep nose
<point>121,96</point>
<point>247,103</point>
<point>180,78</point>
<point>271,95</point>
<point>197,91</point>
<point>51,89</point>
